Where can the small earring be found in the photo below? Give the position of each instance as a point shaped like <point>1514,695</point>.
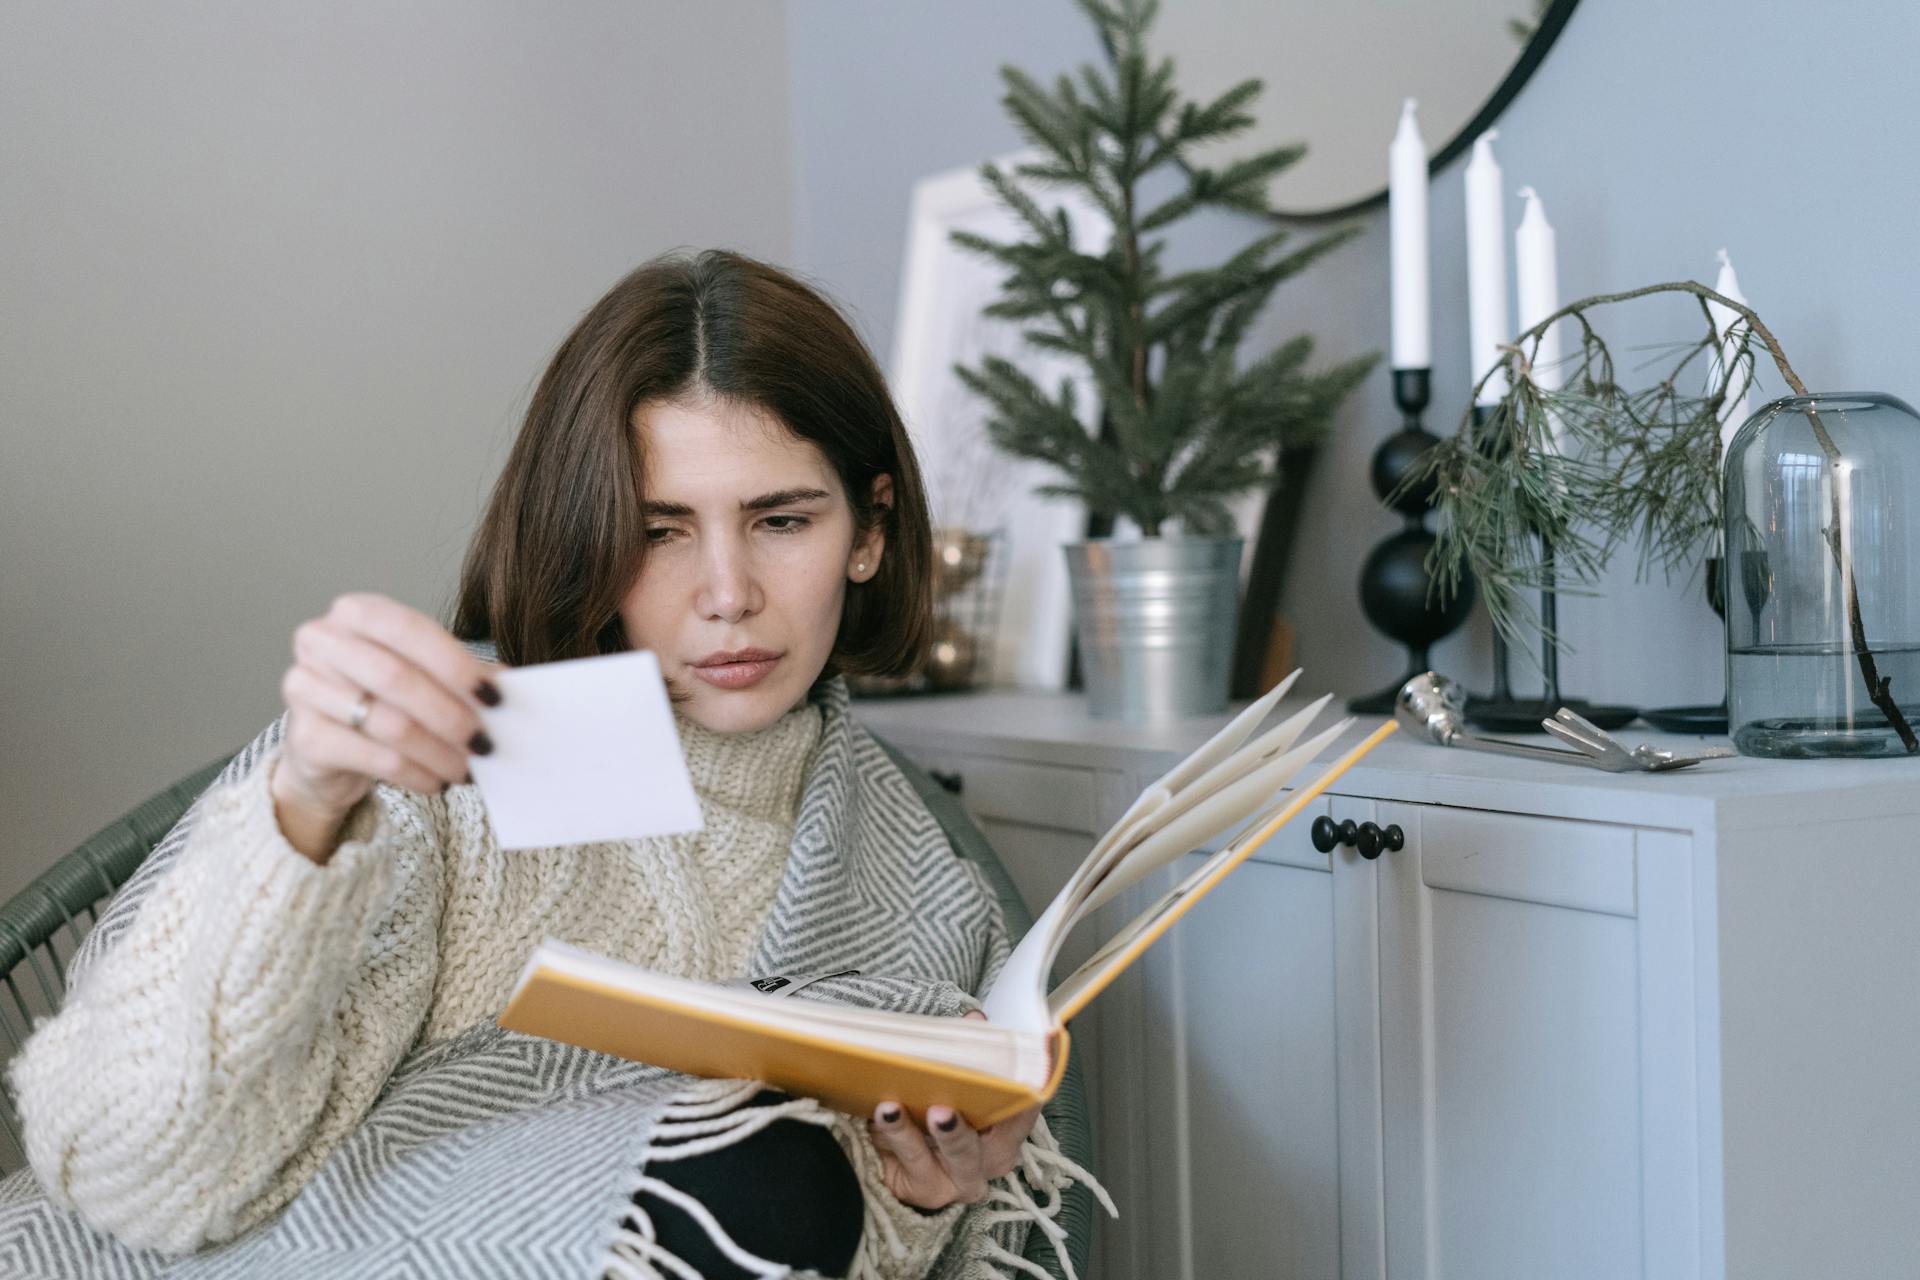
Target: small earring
<point>861,567</point>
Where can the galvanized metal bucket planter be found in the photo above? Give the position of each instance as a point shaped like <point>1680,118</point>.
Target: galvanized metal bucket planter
<point>1155,619</point>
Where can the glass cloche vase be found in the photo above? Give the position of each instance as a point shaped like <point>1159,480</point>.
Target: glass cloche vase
<point>1822,507</point>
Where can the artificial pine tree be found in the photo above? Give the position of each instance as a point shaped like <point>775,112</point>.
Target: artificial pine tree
<point>1183,428</point>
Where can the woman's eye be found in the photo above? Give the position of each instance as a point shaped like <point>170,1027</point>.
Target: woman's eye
<point>775,524</point>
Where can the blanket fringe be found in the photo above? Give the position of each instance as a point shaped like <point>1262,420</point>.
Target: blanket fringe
<point>712,1114</point>
<point>1047,1170</point>
<point>1043,1169</point>
<point>700,1118</point>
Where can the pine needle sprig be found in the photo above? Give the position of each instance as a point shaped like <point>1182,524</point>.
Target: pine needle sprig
<point>1586,467</point>
<point>1593,465</point>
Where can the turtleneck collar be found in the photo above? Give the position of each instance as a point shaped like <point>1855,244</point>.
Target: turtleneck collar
<point>758,772</point>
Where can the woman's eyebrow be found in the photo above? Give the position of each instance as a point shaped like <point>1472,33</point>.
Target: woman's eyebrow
<point>778,498</point>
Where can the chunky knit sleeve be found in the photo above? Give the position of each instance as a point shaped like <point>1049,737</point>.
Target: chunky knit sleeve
<point>240,1023</point>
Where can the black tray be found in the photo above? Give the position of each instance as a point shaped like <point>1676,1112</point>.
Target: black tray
<point>1523,715</point>
<point>1696,719</point>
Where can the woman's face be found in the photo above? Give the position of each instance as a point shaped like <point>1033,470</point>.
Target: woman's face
<point>751,545</point>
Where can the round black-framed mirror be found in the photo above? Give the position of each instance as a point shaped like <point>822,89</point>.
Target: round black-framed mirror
<point>1212,50</point>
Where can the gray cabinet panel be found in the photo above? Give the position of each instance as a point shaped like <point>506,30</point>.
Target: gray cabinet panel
<point>1512,1074</point>
<point>1504,855</point>
<point>1536,1091</point>
<point>1029,792</point>
<point>1261,1096</point>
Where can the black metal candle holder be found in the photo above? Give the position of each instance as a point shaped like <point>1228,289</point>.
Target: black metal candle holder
<point>1703,718</point>
<point>1395,587</point>
<point>1503,712</point>
<point>1512,714</point>
<point>1502,664</point>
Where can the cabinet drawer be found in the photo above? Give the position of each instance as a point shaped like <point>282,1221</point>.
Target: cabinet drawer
<point>1033,794</point>
<point>1584,865</point>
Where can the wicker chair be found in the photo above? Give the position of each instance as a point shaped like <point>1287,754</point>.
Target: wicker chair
<point>42,925</point>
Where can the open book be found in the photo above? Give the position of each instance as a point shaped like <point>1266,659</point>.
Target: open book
<point>855,1058</point>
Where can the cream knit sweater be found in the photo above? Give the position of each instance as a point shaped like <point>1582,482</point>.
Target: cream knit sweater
<point>207,1064</point>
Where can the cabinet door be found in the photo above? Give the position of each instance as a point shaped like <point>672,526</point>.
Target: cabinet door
<point>1262,1072</point>
<point>1536,1049</point>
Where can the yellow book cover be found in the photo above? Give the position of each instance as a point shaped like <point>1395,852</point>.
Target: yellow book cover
<point>855,1058</point>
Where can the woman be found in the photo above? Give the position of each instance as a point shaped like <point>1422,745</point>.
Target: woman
<point>286,1018</point>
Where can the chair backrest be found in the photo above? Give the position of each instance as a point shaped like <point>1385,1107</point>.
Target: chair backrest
<point>42,925</point>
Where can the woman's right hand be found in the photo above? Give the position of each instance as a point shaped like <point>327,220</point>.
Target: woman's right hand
<point>422,724</point>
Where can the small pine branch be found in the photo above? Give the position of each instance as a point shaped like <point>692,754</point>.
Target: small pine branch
<point>1190,428</point>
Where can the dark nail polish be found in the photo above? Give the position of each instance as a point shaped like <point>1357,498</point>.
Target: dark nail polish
<point>487,693</point>
<point>444,786</point>
<point>889,1114</point>
<point>480,744</point>
<point>946,1126</point>
<point>469,778</point>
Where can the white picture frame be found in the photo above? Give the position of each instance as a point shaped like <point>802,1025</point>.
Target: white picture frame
<point>943,292</point>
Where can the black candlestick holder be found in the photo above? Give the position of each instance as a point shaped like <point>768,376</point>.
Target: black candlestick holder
<point>1395,587</point>
<point>1503,712</point>
<point>1512,714</point>
<point>1702,718</point>
<point>1502,694</point>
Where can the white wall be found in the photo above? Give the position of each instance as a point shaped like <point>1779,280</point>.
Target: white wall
<point>275,281</point>
<point>1655,132</point>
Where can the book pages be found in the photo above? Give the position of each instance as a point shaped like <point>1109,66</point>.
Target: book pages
<point>1221,746</point>
<point>1124,947</point>
<point>1197,791</point>
<point>1018,997</point>
<point>1209,817</point>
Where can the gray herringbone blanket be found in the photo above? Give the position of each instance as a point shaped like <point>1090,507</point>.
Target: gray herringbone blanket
<point>494,1154</point>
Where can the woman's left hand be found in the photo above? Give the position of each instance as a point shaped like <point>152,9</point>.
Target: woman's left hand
<point>960,1160</point>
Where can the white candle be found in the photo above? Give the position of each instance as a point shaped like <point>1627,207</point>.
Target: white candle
<point>1537,277</point>
<point>1407,247</point>
<point>1486,270</point>
<point>1536,274</point>
<point>1737,409</point>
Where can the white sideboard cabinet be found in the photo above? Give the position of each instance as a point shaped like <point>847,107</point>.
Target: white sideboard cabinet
<point>1562,1025</point>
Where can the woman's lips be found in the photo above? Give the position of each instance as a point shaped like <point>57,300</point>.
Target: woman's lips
<point>736,675</point>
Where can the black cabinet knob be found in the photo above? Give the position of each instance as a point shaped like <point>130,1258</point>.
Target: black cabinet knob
<point>1369,838</point>
<point>1373,840</point>
<point>951,781</point>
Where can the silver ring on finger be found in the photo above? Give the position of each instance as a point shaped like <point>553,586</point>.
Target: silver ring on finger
<point>361,709</point>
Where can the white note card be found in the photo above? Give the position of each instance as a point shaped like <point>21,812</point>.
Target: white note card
<point>584,750</point>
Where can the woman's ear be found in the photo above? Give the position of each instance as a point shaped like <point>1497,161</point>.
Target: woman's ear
<point>869,544</point>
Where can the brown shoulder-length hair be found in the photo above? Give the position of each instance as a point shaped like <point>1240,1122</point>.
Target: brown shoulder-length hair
<point>564,536</point>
